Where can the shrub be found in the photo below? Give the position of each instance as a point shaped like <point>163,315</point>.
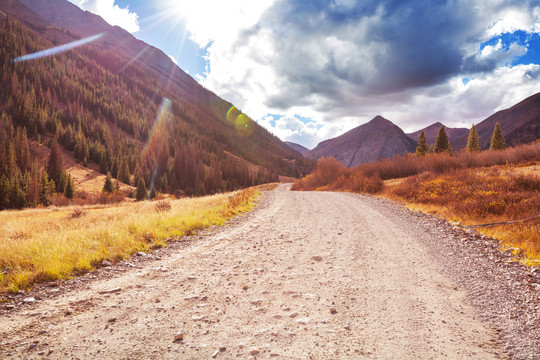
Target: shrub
<point>162,206</point>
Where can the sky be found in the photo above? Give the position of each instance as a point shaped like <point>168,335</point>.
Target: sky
<point>309,70</point>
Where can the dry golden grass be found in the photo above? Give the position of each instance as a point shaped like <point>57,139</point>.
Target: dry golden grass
<point>47,244</point>
<point>481,196</point>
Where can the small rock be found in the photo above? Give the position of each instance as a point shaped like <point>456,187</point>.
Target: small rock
<point>69,311</point>
<point>29,300</point>
<point>179,336</point>
<point>317,258</point>
<point>106,263</point>
<point>222,348</point>
<point>9,306</point>
<point>111,320</point>
<point>274,355</point>
<point>293,315</point>
<point>347,327</point>
<point>245,287</point>
<point>141,253</point>
<point>215,354</point>
<point>198,318</point>
<point>333,311</point>
<point>254,352</point>
<point>191,277</point>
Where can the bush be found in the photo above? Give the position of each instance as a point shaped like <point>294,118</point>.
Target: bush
<point>162,206</point>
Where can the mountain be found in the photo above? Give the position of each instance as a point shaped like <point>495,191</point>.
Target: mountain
<point>375,140</point>
<point>520,124</point>
<point>432,130</point>
<point>297,147</point>
<point>122,106</point>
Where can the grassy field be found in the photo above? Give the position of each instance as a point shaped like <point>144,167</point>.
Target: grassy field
<point>471,188</point>
<point>47,244</point>
<point>480,196</point>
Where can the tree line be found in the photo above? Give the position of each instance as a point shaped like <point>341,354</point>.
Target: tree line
<point>442,142</point>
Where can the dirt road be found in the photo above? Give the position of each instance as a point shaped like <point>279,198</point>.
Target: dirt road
<point>306,275</point>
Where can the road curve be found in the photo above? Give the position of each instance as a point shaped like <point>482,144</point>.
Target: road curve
<point>307,275</point>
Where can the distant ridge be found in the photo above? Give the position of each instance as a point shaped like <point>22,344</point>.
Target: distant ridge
<point>520,124</point>
<point>432,130</point>
<point>297,147</point>
<point>375,140</point>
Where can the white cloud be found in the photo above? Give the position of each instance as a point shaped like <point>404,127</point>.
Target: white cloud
<point>512,19</point>
<point>111,13</point>
<point>461,105</point>
<point>341,63</point>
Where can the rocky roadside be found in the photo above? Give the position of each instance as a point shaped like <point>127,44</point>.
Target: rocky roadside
<point>504,292</point>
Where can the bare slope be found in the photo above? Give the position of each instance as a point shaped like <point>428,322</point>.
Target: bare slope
<point>307,275</point>
<point>520,124</point>
<point>375,140</point>
<point>432,130</point>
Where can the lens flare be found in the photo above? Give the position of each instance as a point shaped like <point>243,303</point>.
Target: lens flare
<point>232,114</point>
<point>157,135</point>
<point>244,125</point>
<point>57,49</point>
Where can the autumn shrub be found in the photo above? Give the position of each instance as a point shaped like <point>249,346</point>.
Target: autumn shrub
<point>474,194</point>
<point>405,166</point>
<point>162,205</point>
<point>326,171</point>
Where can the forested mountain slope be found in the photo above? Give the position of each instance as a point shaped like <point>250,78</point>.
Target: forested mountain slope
<point>134,118</point>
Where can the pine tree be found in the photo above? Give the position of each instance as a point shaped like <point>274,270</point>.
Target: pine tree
<point>141,189</point>
<point>473,144</point>
<point>55,169</point>
<point>442,143</point>
<point>422,147</point>
<point>103,167</point>
<point>153,193</point>
<point>69,191</point>
<point>497,139</point>
<point>44,189</point>
<point>123,174</point>
<point>108,187</point>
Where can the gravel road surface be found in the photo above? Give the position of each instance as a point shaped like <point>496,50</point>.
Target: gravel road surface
<point>307,275</point>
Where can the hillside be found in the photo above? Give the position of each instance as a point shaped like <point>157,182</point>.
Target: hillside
<point>120,104</point>
<point>432,130</point>
<point>520,124</point>
<point>297,147</point>
<point>375,140</point>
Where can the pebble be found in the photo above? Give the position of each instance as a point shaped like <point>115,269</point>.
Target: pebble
<point>141,253</point>
<point>293,315</point>
<point>317,258</point>
<point>69,311</point>
<point>198,318</point>
<point>29,300</point>
<point>254,352</point>
<point>179,336</point>
<point>106,263</point>
<point>215,354</point>
<point>333,311</point>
